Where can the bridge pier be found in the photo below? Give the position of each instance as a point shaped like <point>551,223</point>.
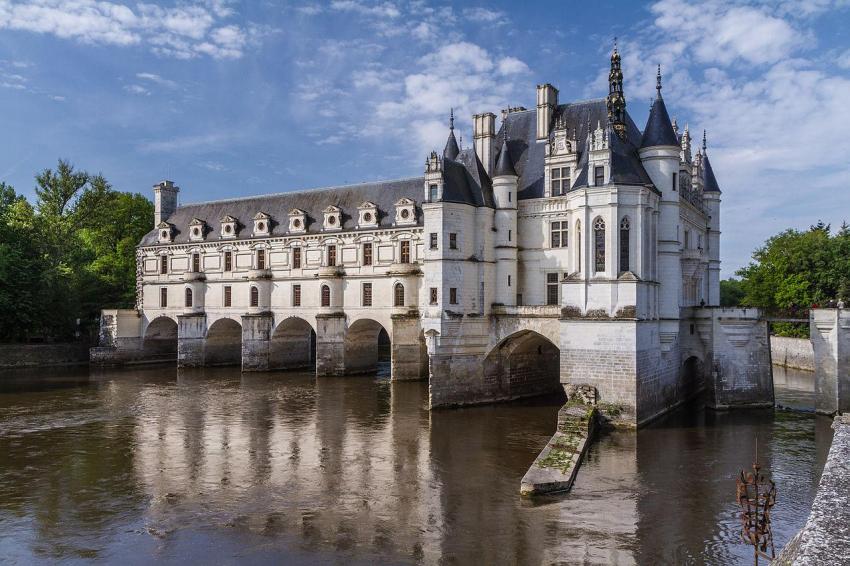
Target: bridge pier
<point>191,339</point>
<point>330,343</point>
<point>256,341</point>
<point>829,331</point>
<point>409,359</point>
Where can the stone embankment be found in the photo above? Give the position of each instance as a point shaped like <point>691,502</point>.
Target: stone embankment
<point>826,537</point>
<point>42,355</point>
<point>556,466</point>
<point>792,352</point>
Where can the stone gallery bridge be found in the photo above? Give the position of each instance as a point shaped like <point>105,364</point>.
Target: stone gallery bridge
<point>336,342</point>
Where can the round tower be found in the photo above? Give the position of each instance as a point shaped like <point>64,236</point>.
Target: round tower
<point>504,193</point>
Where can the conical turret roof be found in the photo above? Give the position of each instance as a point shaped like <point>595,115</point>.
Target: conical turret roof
<point>659,129</point>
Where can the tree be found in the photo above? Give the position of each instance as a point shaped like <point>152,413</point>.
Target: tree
<point>731,293</point>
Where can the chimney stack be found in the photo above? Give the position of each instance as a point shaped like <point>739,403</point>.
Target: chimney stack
<point>484,137</point>
<point>165,201</point>
<point>547,101</point>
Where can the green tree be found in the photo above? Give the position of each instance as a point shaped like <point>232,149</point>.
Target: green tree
<point>731,293</point>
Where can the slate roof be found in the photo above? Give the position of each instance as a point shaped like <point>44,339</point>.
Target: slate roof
<point>384,194</point>
<point>659,129</point>
<point>504,164</point>
<point>710,185</point>
<point>528,155</point>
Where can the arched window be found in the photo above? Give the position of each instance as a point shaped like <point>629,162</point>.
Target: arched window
<point>598,245</point>
<point>255,297</point>
<point>398,295</point>
<point>326,296</point>
<point>188,297</point>
<point>624,244</point>
<point>578,246</point>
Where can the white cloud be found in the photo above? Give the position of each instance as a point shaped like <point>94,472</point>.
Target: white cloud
<point>213,166</point>
<point>183,31</point>
<point>485,16</point>
<point>137,89</point>
<point>158,80</point>
<point>189,143</point>
<point>843,60</point>
<point>776,119</point>
<point>512,66</point>
<point>380,9</point>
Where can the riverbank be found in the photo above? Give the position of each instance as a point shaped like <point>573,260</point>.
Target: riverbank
<point>43,355</point>
<point>794,353</point>
<point>826,537</point>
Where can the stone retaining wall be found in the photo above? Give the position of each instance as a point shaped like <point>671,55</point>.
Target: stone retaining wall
<point>792,352</point>
<point>826,537</point>
<point>40,355</point>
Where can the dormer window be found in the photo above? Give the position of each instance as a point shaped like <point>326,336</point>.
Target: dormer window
<point>368,215</point>
<point>261,224</point>
<point>197,230</point>
<point>165,232</point>
<point>405,213</point>
<point>228,227</point>
<point>297,221</point>
<point>599,175</point>
<point>332,218</point>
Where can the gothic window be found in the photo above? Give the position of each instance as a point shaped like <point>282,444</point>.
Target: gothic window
<point>432,298</point>
<point>326,296</point>
<point>452,241</point>
<point>432,193</point>
<point>255,297</point>
<point>367,294</point>
<point>599,245</point>
<point>599,175</point>
<point>261,259</point>
<point>405,251</point>
<point>228,295</point>
<point>296,295</point>
<point>624,245</point>
<point>558,234</point>
<point>228,261</point>
<point>453,295</point>
<point>188,297</point>
<point>296,258</point>
<point>398,295</point>
<point>560,182</point>
<point>196,264</point>
<point>551,288</point>
<point>433,237</point>
<point>332,255</point>
<point>163,264</point>
<point>163,297</point>
<point>367,254</point>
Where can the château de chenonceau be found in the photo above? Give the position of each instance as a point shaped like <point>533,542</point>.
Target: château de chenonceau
<point>566,246</point>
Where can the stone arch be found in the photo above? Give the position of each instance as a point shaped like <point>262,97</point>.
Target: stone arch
<point>223,343</point>
<point>525,363</point>
<point>292,345</point>
<point>160,339</point>
<point>367,347</point>
<point>692,377</point>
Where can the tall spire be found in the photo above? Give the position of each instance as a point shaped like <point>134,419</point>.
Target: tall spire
<point>504,164</point>
<point>616,101</point>
<point>703,141</point>
<point>451,151</point>
<point>709,180</point>
<point>658,82</point>
<point>659,129</point>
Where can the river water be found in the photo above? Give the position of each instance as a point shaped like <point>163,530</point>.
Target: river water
<point>218,467</point>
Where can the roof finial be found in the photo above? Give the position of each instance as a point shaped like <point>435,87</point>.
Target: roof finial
<point>452,119</point>
<point>703,141</point>
<point>615,44</point>
<point>658,81</point>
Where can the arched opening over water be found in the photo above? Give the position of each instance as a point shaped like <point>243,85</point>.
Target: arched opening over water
<point>523,364</point>
<point>160,338</point>
<point>367,347</point>
<point>293,345</point>
<point>223,346</point>
<point>692,378</point>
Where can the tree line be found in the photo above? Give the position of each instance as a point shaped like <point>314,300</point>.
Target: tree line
<point>68,255</point>
<point>793,271</point>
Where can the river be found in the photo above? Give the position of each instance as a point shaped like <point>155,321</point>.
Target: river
<point>217,467</point>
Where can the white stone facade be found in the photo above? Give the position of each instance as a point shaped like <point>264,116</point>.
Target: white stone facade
<point>563,248</point>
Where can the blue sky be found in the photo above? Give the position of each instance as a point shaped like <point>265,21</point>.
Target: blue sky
<point>240,98</point>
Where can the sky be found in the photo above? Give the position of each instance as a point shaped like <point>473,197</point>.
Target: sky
<point>234,98</point>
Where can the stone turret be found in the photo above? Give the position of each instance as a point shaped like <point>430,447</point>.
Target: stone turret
<point>504,191</point>
<point>711,197</point>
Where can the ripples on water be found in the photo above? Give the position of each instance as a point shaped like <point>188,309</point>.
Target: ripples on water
<point>211,466</point>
